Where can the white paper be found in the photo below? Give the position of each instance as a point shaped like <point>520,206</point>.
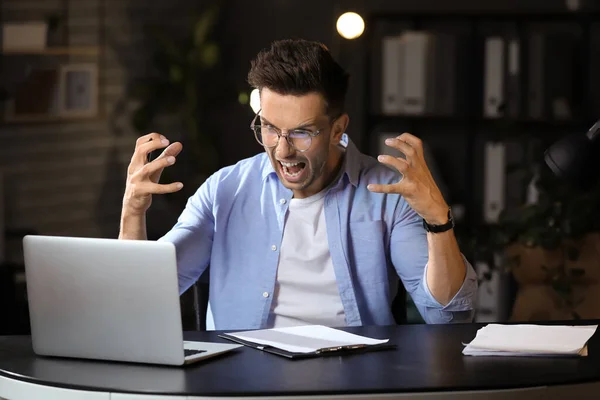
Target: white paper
<point>305,339</point>
<point>530,340</point>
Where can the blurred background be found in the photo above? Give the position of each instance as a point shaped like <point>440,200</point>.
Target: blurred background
<point>486,85</point>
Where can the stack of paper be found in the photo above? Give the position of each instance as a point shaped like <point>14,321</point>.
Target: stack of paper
<point>530,340</point>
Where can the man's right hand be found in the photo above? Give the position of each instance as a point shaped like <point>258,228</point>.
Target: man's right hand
<point>143,176</point>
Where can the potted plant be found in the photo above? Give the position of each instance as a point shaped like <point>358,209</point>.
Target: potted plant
<point>553,251</point>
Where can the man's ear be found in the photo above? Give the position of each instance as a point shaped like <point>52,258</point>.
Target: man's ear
<point>339,127</point>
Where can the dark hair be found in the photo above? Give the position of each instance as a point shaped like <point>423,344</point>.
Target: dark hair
<point>298,67</point>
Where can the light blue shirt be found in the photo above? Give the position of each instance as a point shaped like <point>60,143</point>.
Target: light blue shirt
<point>235,222</point>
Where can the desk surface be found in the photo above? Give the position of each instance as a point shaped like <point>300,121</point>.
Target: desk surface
<point>428,359</point>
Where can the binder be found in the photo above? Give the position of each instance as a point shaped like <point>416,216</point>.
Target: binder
<point>551,82</point>
<point>417,51</point>
<point>560,100</point>
<point>392,91</point>
<point>513,78</point>
<point>445,71</point>
<point>322,352</point>
<point>494,77</point>
<point>536,76</point>
<point>494,173</point>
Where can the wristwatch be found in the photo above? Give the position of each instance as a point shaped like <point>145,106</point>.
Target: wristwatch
<point>440,228</point>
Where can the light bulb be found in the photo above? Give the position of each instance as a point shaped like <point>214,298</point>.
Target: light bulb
<point>350,25</point>
<point>255,100</point>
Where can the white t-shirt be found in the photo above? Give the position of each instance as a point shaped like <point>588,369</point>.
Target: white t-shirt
<point>306,291</point>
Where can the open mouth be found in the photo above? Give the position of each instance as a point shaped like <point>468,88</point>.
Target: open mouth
<point>293,171</point>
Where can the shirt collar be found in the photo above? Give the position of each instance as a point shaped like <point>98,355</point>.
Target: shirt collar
<point>351,163</point>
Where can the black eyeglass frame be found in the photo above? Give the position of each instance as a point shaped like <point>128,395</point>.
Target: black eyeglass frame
<point>256,127</point>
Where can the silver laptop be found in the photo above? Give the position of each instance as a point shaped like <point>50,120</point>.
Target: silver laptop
<point>108,299</point>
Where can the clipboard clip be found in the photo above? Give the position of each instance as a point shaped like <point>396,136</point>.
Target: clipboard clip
<point>339,348</point>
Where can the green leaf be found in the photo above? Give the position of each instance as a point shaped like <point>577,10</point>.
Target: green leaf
<point>210,55</point>
<point>176,74</point>
<point>204,25</point>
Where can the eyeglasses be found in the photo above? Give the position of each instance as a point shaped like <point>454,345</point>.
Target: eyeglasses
<point>268,136</point>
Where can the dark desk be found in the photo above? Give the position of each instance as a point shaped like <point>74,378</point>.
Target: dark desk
<point>427,364</point>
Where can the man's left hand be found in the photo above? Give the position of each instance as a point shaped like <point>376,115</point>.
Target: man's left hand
<point>417,185</point>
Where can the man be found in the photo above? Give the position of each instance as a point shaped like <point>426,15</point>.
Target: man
<point>311,231</point>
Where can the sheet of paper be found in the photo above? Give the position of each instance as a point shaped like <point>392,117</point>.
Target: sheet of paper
<point>305,339</point>
<point>529,339</point>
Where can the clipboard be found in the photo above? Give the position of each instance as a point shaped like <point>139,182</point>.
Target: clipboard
<point>323,352</point>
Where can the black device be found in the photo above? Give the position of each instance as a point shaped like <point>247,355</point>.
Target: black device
<point>576,157</point>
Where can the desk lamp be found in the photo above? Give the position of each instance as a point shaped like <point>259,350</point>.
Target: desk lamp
<point>576,157</point>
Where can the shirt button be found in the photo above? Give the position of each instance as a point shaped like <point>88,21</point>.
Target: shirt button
<point>282,201</point>
<point>265,295</point>
<point>273,247</point>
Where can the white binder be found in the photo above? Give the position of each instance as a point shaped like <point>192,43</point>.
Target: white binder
<point>392,64</point>
<point>494,181</point>
<point>417,52</point>
<point>493,97</point>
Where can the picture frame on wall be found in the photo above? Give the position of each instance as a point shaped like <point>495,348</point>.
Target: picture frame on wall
<point>33,97</point>
<point>78,90</point>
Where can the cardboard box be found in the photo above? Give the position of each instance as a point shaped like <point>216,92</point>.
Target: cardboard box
<point>535,265</point>
<point>543,303</point>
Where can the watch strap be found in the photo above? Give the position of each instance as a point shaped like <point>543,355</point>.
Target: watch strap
<point>440,228</point>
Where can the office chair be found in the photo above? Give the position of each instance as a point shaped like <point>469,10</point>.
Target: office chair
<point>399,306</point>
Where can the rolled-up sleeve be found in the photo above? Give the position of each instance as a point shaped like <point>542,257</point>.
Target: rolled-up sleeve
<point>460,309</point>
<point>409,253</point>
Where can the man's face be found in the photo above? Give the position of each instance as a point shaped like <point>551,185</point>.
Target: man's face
<point>305,173</point>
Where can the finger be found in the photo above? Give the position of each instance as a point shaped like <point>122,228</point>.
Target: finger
<point>412,140</point>
<point>146,138</point>
<point>400,164</point>
<point>140,156</point>
<point>153,169</point>
<point>402,146</point>
<point>155,188</point>
<point>172,150</point>
<point>381,188</point>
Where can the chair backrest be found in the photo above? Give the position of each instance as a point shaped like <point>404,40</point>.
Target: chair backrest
<point>399,305</point>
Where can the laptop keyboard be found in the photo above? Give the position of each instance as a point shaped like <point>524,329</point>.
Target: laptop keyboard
<point>191,352</point>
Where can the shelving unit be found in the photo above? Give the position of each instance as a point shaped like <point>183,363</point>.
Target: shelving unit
<point>56,51</point>
<point>50,119</point>
<point>41,128</point>
<point>457,138</point>
<point>57,55</point>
